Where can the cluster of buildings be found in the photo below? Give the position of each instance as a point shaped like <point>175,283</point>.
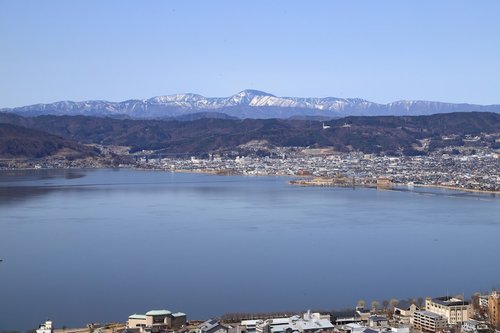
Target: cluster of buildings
<point>475,169</point>
<point>440,314</point>
<point>308,322</point>
<point>463,167</point>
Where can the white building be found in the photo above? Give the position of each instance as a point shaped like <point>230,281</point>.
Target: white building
<point>211,326</point>
<point>309,322</point>
<point>45,327</point>
<point>474,326</point>
<point>483,301</point>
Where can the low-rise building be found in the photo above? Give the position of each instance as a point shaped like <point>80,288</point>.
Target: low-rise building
<point>377,321</point>
<point>353,328</point>
<point>346,317</point>
<point>474,326</point>
<point>455,310</point>
<point>363,313</point>
<point>156,321</point>
<point>427,321</point>
<point>211,326</point>
<point>404,310</point>
<point>45,327</point>
<point>357,328</point>
<point>178,320</point>
<point>309,322</point>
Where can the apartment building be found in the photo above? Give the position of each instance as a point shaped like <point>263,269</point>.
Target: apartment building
<point>427,321</point>
<point>455,310</point>
<point>494,309</point>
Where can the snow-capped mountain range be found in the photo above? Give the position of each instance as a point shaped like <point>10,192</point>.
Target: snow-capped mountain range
<point>245,104</point>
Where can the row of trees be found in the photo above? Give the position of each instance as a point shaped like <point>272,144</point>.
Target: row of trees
<point>389,305</point>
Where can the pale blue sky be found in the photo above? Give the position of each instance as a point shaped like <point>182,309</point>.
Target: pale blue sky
<point>379,50</point>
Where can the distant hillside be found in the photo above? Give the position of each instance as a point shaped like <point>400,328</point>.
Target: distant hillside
<point>17,141</point>
<point>202,115</point>
<point>245,104</point>
<point>367,134</point>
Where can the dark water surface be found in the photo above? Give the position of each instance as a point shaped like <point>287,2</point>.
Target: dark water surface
<point>96,246</point>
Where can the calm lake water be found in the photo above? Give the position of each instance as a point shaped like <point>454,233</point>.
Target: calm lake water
<point>86,246</point>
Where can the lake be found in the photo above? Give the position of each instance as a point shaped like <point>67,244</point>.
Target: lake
<point>83,246</point>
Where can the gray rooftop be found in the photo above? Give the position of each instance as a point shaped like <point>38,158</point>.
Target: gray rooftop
<point>449,301</point>
<point>430,314</point>
<point>158,313</point>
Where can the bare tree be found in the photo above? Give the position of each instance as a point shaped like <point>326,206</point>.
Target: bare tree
<point>420,302</point>
<point>475,300</point>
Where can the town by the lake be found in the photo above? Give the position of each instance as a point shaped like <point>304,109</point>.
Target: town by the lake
<point>469,168</point>
<point>451,314</point>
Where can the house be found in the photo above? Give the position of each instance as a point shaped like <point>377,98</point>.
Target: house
<point>404,310</point>
<point>353,328</point>
<point>211,326</point>
<point>377,321</point>
<point>45,327</point>
<point>474,326</point>
<point>363,313</point>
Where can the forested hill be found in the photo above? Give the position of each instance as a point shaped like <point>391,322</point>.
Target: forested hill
<point>367,134</point>
<point>18,141</point>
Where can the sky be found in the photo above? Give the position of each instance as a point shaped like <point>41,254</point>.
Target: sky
<point>382,51</point>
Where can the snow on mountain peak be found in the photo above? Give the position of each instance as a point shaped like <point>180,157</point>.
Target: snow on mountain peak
<point>247,103</point>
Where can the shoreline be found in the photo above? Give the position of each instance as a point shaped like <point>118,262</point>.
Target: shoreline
<point>299,181</point>
<point>460,189</point>
<point>327,182</point>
